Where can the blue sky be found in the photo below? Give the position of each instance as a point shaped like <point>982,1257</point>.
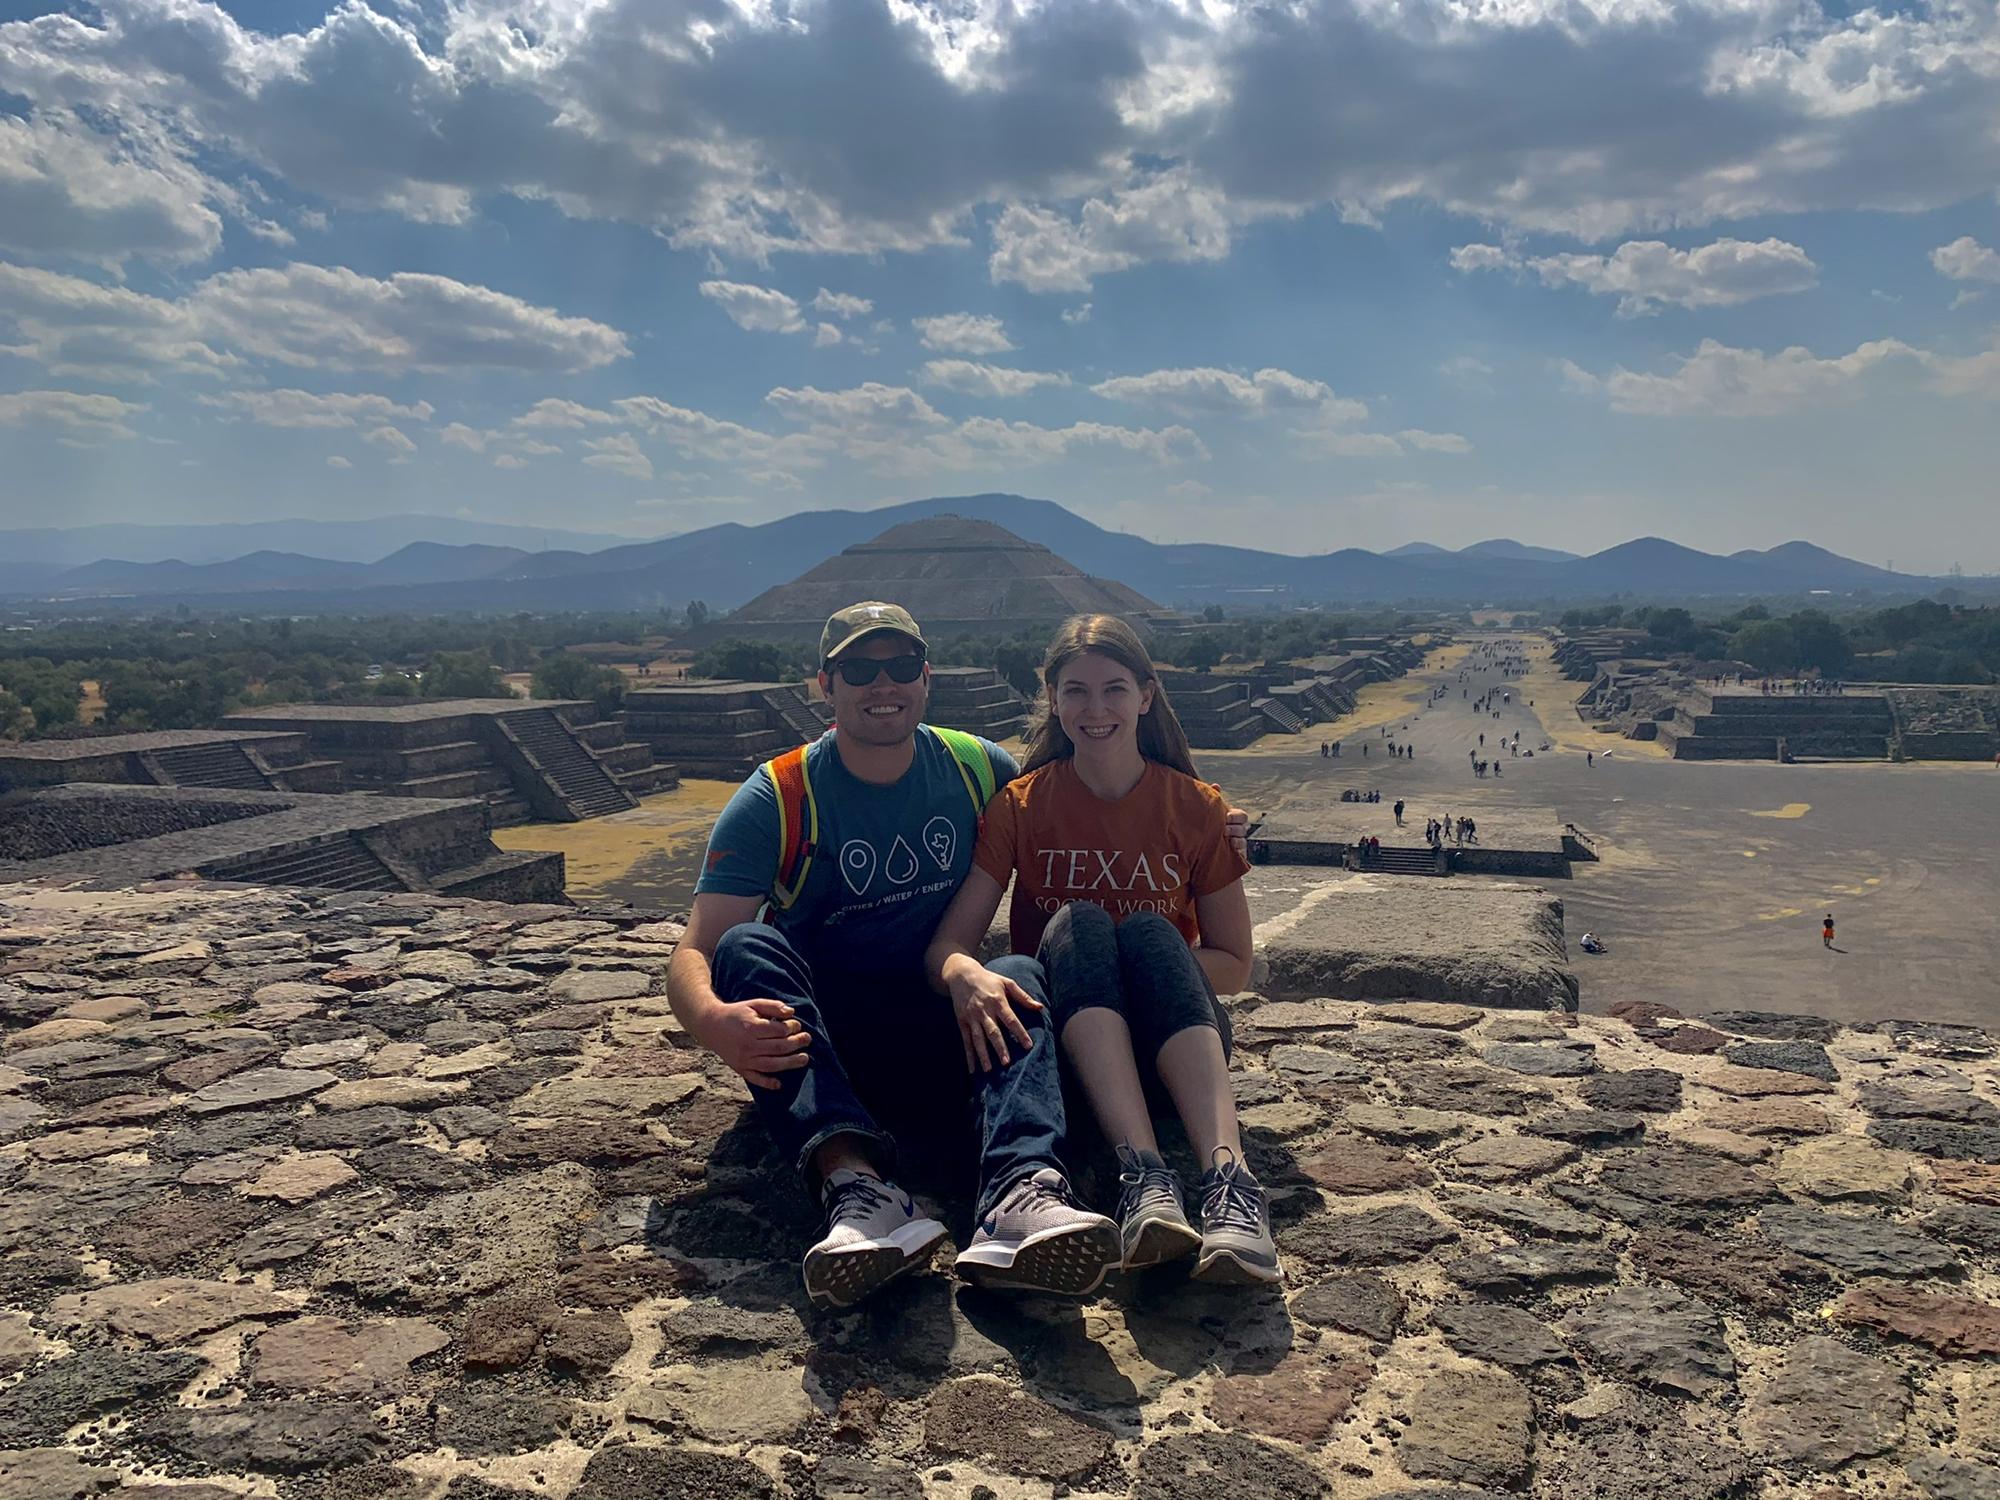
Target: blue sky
<point>1302,277</point>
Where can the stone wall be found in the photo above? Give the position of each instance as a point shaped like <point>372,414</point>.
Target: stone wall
<point>34,828</point>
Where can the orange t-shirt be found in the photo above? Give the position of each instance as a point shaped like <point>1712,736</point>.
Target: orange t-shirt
<point>1160,847</point>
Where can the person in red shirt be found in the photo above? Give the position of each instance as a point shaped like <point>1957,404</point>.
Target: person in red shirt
<point>1128,890</point>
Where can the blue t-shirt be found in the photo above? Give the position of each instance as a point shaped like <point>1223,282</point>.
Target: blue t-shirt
<point>888,862</point>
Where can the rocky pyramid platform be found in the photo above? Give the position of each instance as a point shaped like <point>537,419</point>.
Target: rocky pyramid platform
<point>401,1197</point>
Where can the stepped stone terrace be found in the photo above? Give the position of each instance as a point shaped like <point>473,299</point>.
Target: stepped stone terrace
<point>240,759</point>
<point>339,841</point>
<point>550,761</point>
<point>406,1198</point>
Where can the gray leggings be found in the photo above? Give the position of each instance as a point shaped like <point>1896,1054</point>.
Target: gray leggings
<point>1141,967</point>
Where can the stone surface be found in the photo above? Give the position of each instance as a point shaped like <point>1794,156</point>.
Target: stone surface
<point>1980,1143</point>
<point>1858,1246</point>
<point>298,1178</point>
<point>259,1086</point>
<point>1755,1273</point>
<point>1826,1405</point>
<point>760,1399</point>
<point>1951,1325</point>
<point>283,1437</point>
<point>1427,1013</point>
<point>634,1472</point>
<point>1542,1061</point>
<point>1808,1058</point>
<point>1525,1215</point>
<point>1471,1425</point>
<point>1652,1090</point>
<point>1974,1183</point>
<point>1687,1180</point>
<point>982,1417</point>
<point>1515,1270</point>
<point>1376,1237</point>
<point>1410,1125</point>
<point>1498,1334</point>
<point>1355,1164</point>
<point>335,1357</point>
<point>1203,1465</point>
<point>1846,1168</point>
<point>171,1310</point>
<point>1301,1401</point>
<point>1508,1158</point>
<point>1362,1304</point>
<point>1656,1337</point>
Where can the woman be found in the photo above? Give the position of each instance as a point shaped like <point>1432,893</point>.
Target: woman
<point>1129,892</point>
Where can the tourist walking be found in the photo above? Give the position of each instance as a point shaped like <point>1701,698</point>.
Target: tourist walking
<point>1127,888</point>
<point>1399,812</point>
<point>1826,931</point>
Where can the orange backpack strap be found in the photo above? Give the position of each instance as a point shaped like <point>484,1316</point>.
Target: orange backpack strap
<point>798,824</point>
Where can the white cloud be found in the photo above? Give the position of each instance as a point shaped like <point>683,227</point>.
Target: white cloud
<point>392,440</point>
<point>1078,314</point>
<point>293,408</point>
<point>458,435</point>
<point>870,407</point>
<point>1719,380</point>
<point>1434,442</point>
<point>761,309</point>
<point>302,316</point>
<point>1206,391</point>
<point>988,440</point>
<point>1965,259</point>
<point>826,336</point>
<point>621,454</point>
<point>841,305</point>
<point>963,333</point>
<point>509,461</point>
<point>67,190</point>
<point>1643,274</point>
<point>1104,136</point>
<point>972,379</point>
<point>554,411</point>
<point>79,417</point>
<point>335,461</point>
<point>1167,218</point>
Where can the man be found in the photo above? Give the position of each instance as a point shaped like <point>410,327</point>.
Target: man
<point>824,1009</point>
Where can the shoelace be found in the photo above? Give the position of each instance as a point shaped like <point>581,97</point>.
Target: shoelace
<point>1033,1193</point>
<point>856,1197</point>
<point>1139,1180</point>
<point>1228,1202</point>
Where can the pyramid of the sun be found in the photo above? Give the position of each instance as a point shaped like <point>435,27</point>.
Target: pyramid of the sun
<point>956,576</point>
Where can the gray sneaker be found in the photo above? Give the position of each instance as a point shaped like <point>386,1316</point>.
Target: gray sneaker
<point>1236,1243</point>
<point>1038,1238</point>
<point>874,1234</point>
<point>1152,1225</point>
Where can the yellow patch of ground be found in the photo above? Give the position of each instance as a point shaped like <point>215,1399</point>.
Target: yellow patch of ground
<point>1749,853</point>
<point>1554,697</point>
<point>91,707</point>
<point>1789,810</point>
<point>600,853</point>
<point>1783,913</point>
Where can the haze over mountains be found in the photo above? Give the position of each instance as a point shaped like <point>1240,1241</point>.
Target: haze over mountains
<point>467,565</point>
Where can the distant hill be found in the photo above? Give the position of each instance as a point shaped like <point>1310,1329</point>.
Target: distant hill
<point>728,564</point>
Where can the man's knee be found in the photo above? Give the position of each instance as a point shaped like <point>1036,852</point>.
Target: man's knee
<point>745,958</point>
<point>1029,975</point>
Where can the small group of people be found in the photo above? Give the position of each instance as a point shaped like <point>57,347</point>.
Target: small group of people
<point>1368,848</point>
<point>831,959</point>
<point>1439,831</point>
<point>1481,767</point>
<point>1350,794</point>
<point>1330,749</point>
<point>1808,687</point>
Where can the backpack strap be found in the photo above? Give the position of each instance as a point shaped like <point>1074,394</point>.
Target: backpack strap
<point>975,766</point>
<point>798,823</point>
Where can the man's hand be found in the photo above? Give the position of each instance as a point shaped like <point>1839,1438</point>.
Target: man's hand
<point>758,1038</point>
<point>984,1004</point>
<point>1237,825</point>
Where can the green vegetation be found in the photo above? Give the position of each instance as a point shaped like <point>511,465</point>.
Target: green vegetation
<point>184,671</point>
<point>564,674</point>
<point>755,661</point>
<point>1922,642</point>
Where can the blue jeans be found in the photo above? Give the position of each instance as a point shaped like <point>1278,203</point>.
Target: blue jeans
<point>886,1059</point>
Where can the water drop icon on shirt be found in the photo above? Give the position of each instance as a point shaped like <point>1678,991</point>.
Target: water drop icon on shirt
<point>901,867</point>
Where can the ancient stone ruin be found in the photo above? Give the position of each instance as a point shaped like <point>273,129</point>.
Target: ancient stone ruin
<point>402,1197</point>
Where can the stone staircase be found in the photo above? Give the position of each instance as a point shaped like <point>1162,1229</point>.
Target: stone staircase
<point>793,712</point>
<point>1282,718</point>
<point>223,764</point>
<point>343,863</point>
<point>1405,862</point>
<point>581,783</point>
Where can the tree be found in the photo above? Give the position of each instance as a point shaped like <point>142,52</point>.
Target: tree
<point>564,674</point>
<point>1201,652</point>
<point>1768,645</point>
<point>1212,613</point>
<point>747,661</point>
<point>697,614</point>
<point>463,674</point>
<point>1822,644</point>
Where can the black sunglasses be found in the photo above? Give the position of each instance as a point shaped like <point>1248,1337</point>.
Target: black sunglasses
<point>859,671</point>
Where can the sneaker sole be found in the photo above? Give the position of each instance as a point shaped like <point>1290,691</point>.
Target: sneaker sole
<point>841,1278</point>
<point>1068,1262</point>
<point>1159,1241</point>
<point>1225,1268</point>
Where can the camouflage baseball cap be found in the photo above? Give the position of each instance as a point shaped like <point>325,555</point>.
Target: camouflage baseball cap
<point>858,620</point>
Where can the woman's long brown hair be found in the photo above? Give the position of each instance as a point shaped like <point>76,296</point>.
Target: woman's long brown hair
<point>1161,737</point>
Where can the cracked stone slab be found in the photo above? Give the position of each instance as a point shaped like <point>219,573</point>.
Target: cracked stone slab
<point>258,1087</point>
<point>1858,1246</point>
<point>1827,1405</point>
<point>170,1310</point>
<point>1657,1337</point>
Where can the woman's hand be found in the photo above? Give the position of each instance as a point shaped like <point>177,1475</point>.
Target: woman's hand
<point>984,1003</point>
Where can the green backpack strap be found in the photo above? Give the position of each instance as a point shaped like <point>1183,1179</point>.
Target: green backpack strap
<point>974,764</point>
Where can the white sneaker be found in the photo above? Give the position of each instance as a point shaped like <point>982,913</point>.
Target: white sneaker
<point>1038,1238</point>
<point>874,1234</point>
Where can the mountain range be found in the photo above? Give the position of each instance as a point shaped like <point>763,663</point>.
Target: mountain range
<point>728,564</point>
